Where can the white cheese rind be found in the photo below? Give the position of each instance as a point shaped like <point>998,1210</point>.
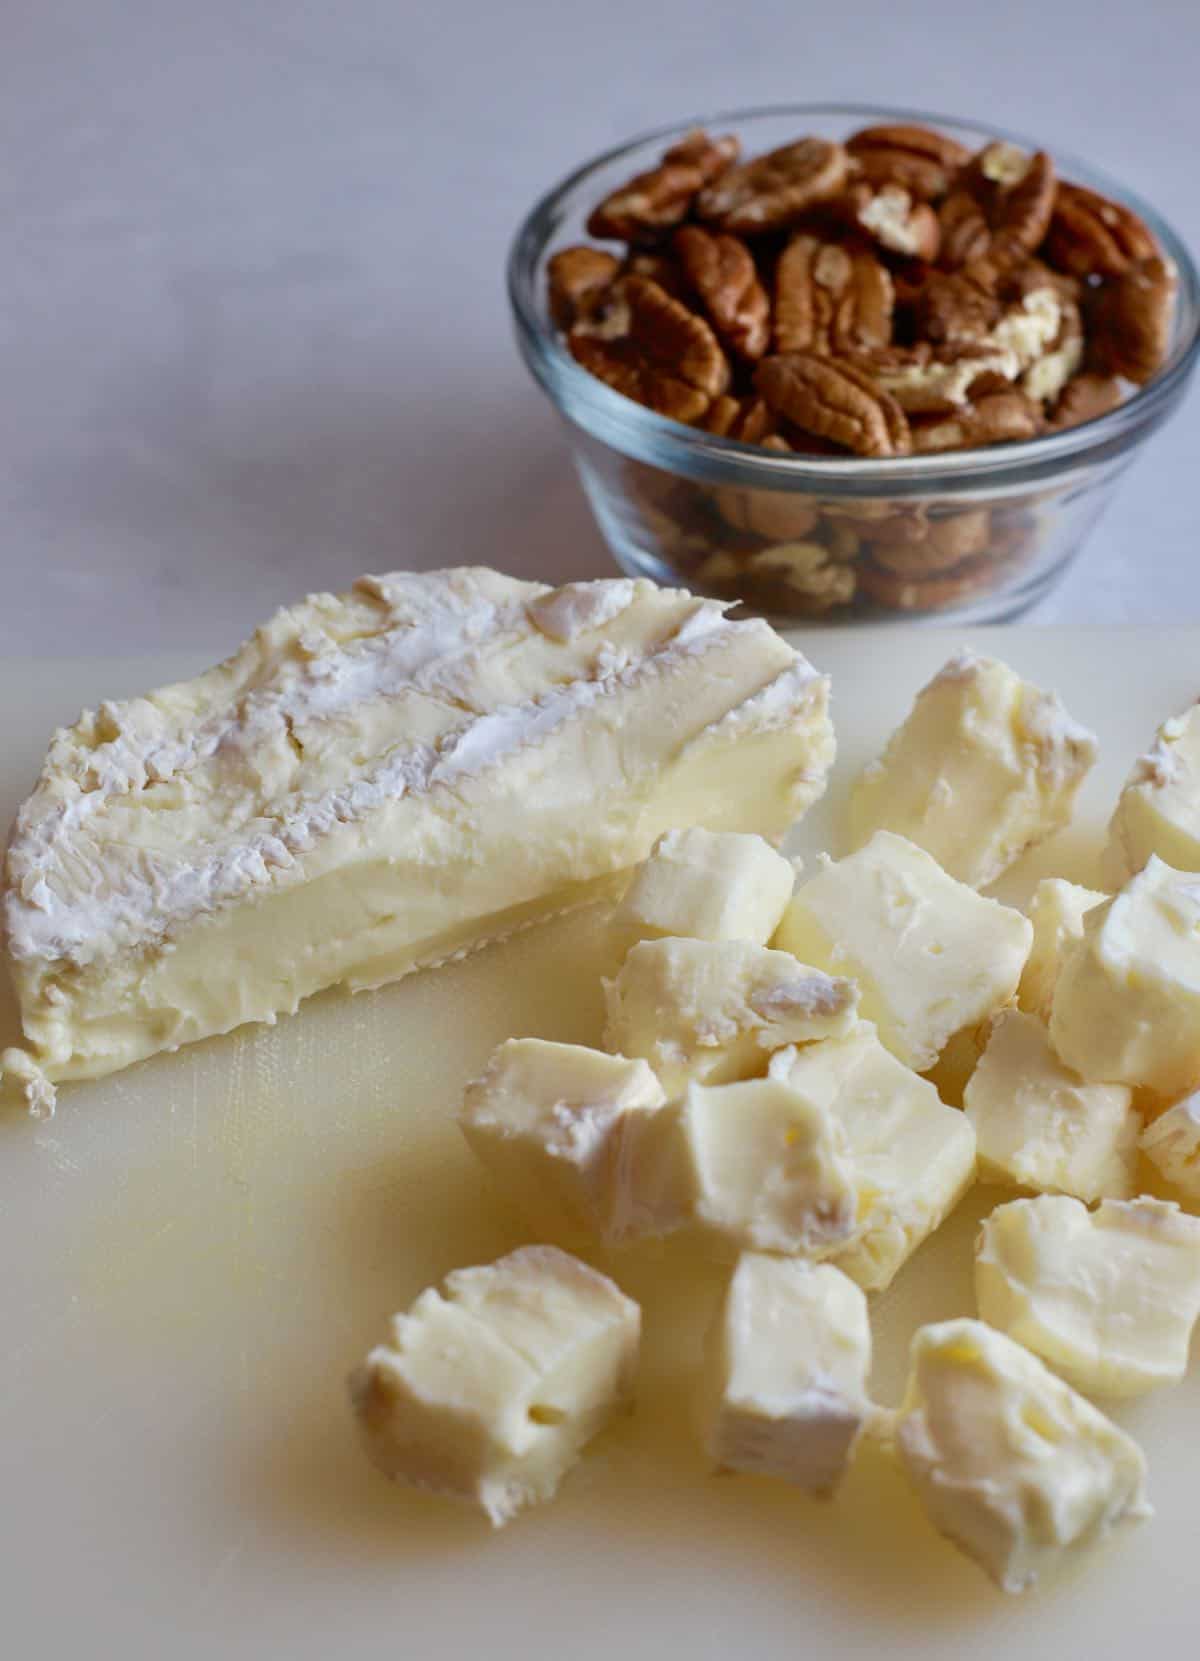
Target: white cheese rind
<point>1172,1144</point>
<point>1056,911</point>
<point>713,1011</point>
<point>706,885</point>
<point>984,767</point>
<point>1158,811</point>
<point>488,1390</point>
<point>1012,1464</point>
<point>913,1158</point>
<point>1039,1125</point>
<point>1108,1298</point>
<point>378,781</point>
<point>1127,1002</point>
<point>929,954</point>
<point>784,1388</point>
<point>548,1120</point>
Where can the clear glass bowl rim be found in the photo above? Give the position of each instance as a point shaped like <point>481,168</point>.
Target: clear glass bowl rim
<point>642,433</point>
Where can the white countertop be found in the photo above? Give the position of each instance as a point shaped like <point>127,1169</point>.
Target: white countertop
<point>252,319</point>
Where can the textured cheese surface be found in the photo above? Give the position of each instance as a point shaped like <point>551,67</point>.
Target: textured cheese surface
<point>1108,1298</point>
<point>706,885</point>
<point>784,1387</point>
<point>487,1391</point>
<point>1056,911</point>
<point>984,767</point>
<point>913,1158</point>
<point>1127,1002</point>
<point>1011,1463</point>
<point>1039,1125</point>
<point>1158,811</point>
<point>715,1010</point>
<point>930,955</point>
<point>1172,1144</point>
<point>380,780</point>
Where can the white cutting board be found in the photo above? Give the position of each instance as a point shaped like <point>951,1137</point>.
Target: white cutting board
<point>193,1254</point>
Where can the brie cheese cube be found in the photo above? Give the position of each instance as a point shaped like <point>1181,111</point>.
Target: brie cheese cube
<point>488,1390</point>
<point>706,885</point>
<point>784,1391</point>
<point>1127,1004</point>
<point>984,767</point>
<point>929,954</point>
<point>548,1120</point>
<point>1039,1125</point>
<point>714,1010</point>
<point>1012,1465</point>
<point>1158,811</point>
<point>1172,1144</point>
<point>1107,1297</point>
<point>913,1158</point>
<point>1056,911</point>
<point>754,1165</point>
<point>379,781</point>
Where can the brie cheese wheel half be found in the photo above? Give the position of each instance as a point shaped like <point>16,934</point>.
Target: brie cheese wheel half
<point>379,781</point>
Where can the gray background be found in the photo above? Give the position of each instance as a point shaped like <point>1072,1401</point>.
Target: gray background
<point>252,322</point>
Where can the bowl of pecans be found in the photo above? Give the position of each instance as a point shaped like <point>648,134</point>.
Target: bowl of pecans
<point>840,363</point>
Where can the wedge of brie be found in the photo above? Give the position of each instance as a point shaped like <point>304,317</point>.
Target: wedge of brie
<point>376,782</point>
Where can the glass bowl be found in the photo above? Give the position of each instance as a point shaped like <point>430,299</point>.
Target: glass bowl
<point>982,534</point>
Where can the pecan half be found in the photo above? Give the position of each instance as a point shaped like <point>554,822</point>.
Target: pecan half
<point>836,402</point>
<point>957,307</point>
<point>930,381</point>
<point>661,269</point>
<point>965,232</point>
<point>997,418</point>
<point>933,593</point>
<point>916,158</point>
<point>1131,320</point>
<point>828,297</point>
<point>1091,236</point>
<point>576,279</point>
<point>777,515</point>
<point>947,542</point>
<point>659,199</point>
<point>889,215</point>
<point>665,356</point>
<point>1020,212</point>
<point>723,274</point>
<point>749,420</point>
<point>775,189</point>
<point>1084,399</point>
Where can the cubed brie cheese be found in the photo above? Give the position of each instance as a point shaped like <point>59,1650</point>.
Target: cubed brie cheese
<point>706,885</point>
<point>929,954</point>
<point>548,1121</point>
<point>488,1390</point>
<point>1012,1464</point>
<point>756,1165</point>
<point>714,1010</point>
<point>1107,1297</point>
<point>1039,1125</point>
<point>912,1157</point>
<point>984,767</point>
<point>1158,811</point>
<point>1056,911</point>
<point>784,1390</point>
<point>1172,1144</point>
<point>1127,1003</point>
<point>377,781</point>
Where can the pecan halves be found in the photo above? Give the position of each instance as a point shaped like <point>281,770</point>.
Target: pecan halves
<point>1091,236</point>
<point>957,307</point>
<point>664,357</point>
<point>775,189</point>
<point>720,269</point>
<point>1131,320</point>
<point>997,418</point>
<point>828,297</point>
<point>965,232</point>
<point>576,279</point>
<point>916,158</point>
<point>1085,399</point>
<point>660,198</point>
<point>1021,210</point>
<point>835,402</point>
